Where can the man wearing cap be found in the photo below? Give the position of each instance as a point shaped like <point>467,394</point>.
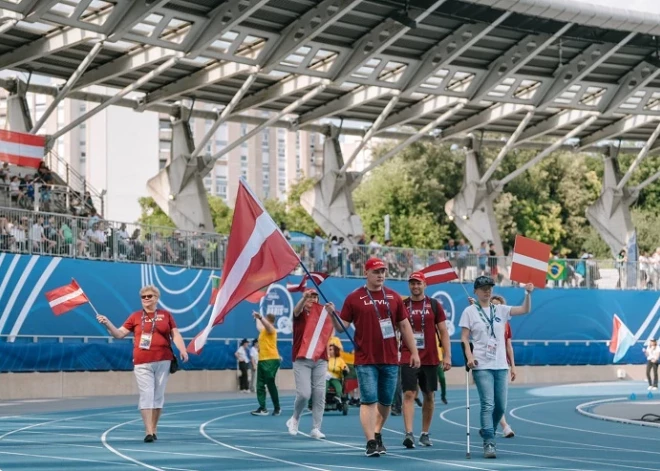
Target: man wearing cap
<point>376,311</point>
<point>427,319</point>
<point>309,375</point>
<point>484,323</point>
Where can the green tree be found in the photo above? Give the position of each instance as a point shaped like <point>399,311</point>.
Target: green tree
<point>291,211</point>
<point>152,215</point>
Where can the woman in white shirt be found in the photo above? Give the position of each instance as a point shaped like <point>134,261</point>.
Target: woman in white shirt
<point>485,323</point>
<point>652,353</point>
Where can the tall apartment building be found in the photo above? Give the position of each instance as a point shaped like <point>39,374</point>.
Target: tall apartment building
<point>118,150</point>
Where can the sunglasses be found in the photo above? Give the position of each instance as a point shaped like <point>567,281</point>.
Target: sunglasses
<point>147,296</point>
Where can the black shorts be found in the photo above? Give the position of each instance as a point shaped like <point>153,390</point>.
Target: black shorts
<point>426,377</point>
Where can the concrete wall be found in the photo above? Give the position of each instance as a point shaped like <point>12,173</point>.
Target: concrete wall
<point>61,385</point>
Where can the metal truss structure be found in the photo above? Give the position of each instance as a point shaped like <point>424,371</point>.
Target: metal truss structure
<point>543,75</point>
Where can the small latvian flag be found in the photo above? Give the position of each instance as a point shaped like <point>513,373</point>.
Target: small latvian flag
<point>215,289</point>
<point>66,298</point>
<point>530,261</point>
<point>439,273</point>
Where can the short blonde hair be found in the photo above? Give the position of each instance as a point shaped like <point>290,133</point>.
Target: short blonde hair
<point>150,289</point>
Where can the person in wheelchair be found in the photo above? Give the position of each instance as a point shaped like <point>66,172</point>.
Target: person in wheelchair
<point>337,370</point>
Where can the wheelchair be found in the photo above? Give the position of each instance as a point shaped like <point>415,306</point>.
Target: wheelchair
<point>334,403</point>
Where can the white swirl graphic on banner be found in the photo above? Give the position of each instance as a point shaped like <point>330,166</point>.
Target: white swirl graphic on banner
<point>17,287</point>
<point>154,273</point>
<point>450,310</point>
<point>175,272</point>
<point>279,302</point>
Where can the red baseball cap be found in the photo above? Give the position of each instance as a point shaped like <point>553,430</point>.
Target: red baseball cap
<point>417,276</point>
<point>374,264</point>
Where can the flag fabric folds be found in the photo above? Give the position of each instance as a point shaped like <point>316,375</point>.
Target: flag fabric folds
<point>66,298</point>
<point>318,277</point>
<point>257,255</point>
<point>530,261</point>
<point>439,273</point>
<point>318,331</point>
<point>215,288</point>
<point>24,150</point>
<point>622,339</point>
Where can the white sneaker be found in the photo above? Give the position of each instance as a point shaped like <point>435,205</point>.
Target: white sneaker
<point>316,433</point>
<point>649,388</point>
<point>292,425</point>
<point>654,388</point>
<point>508,433</point>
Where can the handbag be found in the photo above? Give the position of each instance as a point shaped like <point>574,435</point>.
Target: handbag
<point>174,364</point>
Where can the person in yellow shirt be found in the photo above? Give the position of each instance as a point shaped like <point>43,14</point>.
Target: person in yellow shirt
<point>441,374</point>
<point>269,363</point>
<point>337,367</point>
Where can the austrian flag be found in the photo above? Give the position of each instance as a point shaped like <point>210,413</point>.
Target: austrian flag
<point>318,330</point>
<point>66,298</point>
<point>530,261</point>
<point>24,150</point>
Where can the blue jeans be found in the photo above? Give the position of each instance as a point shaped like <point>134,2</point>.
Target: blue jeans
<point>377,383</point>
<point>492,386</point>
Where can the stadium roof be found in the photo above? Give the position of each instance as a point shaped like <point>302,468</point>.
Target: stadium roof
<point>532,68</point>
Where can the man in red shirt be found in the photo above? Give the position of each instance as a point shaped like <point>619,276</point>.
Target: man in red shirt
<point>375,311</point>
<point>426,317</point>
<point>309,375</point>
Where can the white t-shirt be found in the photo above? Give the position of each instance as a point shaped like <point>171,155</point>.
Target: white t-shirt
<point>480,334</point>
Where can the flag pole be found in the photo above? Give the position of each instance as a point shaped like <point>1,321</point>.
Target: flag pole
<point>88,300</point>
<point>334,313</point>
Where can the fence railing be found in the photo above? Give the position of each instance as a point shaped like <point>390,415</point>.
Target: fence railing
<point>32,232</point>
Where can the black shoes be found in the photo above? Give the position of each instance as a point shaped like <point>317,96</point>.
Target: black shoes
<point>149,439</point>
<point>379,441</point>
<point>372,449</point>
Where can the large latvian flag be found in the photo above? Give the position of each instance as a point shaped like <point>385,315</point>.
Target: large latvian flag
<point>258,254</point>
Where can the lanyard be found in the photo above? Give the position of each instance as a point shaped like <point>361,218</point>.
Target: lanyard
<point>387,304</point>
<point>410,308</point>
<point>153,323</point>
<point>488,321</point>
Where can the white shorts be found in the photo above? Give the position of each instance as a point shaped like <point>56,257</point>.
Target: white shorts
<point>151,380</point>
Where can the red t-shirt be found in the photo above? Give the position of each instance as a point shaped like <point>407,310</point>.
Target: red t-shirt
<point>160,341</point>
<point>299,324</point>
<point>372,349</point>
<point>507,336</point>
<point>429,354</point>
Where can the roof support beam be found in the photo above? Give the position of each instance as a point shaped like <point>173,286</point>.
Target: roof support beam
<point>376,41</point>
<point>202,78</point>
<point>484,118</point>
<point>616,129</point>
<point>370,133</point>
<point>289,109</point>
<point>46,45</point>
<point>646,183</point>
<point>450,48</point>
<point>636,79</point>
<point>226,113</point>
<point>132,13</point>
<point>306,28</point>
<point>579,67</point>
<point>415,137</point>
<point>122,65</point>
<point>225,17</point>
<point>510,143</point>
<point>422,108</point>
<point>544,153</point>
<point>516,58</point>
<point>284,87</point>
<point>67,86</point>
<point>115,98</point>
<point>362,95</point>
<point>32,10</point>
<point>638,160</point>
<point>558,121</point>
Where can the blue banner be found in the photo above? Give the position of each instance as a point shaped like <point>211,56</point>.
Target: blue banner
<point>577,316</point>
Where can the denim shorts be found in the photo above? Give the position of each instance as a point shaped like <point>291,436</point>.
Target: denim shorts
<point>377,383</point>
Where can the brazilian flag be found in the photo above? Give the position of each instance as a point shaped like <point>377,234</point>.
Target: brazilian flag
<point>557,270</point>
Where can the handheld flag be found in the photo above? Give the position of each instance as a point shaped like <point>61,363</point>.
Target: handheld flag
<point>302,286</point>
<point>215,280</point>
<point>318,330</point>
<point>258,254</point>
<point>439,273</point>
<point>257,296</point>
<point>66,298</point>
<point>622,339</point>
<point>530,261</point>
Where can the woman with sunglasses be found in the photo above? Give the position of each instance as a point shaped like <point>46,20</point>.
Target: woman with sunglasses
<point>154,331</point>
<point>484,323</point>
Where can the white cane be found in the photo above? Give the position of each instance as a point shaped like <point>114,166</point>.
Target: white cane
<point>467,399</point>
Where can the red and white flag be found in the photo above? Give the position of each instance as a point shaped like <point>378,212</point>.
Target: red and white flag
<point>439,273</point>
<point>530,261</point>
<point>67,297</point>
<point>318,330</point>
<point>318,277</point>
<point>258,254</point>
<point>24,150</point>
